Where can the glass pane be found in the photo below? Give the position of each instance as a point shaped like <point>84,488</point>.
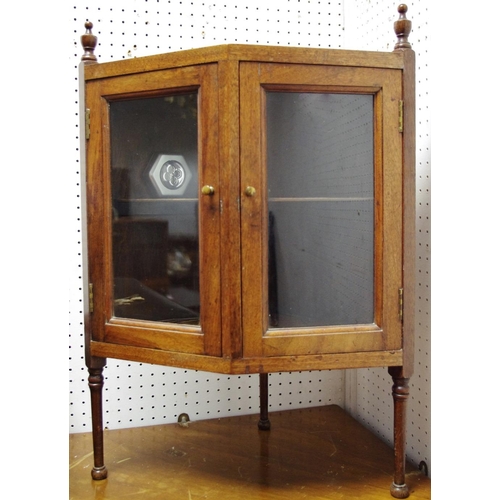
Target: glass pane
<point>154,176</point>
<point>321,224</point>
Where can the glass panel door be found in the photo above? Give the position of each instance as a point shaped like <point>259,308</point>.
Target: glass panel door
<point>320,187</point>
<point>321,209</point>
<point>154,182</point>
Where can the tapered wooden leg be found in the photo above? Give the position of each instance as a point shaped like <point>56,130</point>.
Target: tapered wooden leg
<point>96,381</point>
<point>400,393</point>
<point>264,423</point>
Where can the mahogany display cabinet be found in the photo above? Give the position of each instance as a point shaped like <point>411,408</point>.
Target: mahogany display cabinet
<point>251,209</point>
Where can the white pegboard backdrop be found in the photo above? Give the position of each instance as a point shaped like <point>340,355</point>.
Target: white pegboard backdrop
<point>138,394</point>
<point>369,25</point>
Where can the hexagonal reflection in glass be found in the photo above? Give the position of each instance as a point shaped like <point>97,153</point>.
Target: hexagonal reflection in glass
<point>170,175</point>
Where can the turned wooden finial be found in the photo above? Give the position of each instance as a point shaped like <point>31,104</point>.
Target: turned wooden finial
<point>402,28</point>
<point>89,42</point>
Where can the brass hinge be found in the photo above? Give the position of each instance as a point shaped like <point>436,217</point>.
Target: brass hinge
<point>401,115</point>
<point>91,297</point>
<point>401,304</point>
<point>87,123</point>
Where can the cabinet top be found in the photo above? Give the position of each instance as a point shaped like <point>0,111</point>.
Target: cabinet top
<point>244,52</point>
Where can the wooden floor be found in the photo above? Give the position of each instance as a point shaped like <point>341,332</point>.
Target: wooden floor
<point>318,453</point>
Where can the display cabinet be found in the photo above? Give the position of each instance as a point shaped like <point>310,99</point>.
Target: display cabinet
<point>250,209</point>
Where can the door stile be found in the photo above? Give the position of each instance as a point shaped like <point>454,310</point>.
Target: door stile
<point>230,237</point>
<point>95,192</point>
<point>392,260</point>
<point>253,197</point>
<point>209,226</point>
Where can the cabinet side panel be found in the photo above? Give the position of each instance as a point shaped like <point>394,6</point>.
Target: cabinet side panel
<point>83,208</point>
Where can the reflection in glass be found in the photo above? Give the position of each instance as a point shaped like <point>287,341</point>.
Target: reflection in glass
<point>154,177</point>
<point>320,199</point>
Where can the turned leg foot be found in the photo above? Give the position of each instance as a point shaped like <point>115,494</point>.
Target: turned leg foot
<point>400,393</point>
<point>96,382</point>
<point>99,473</point>
<point>399,491</point>
<point>264,422</point>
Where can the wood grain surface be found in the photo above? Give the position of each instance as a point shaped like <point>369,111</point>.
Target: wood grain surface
<point>316,453</point>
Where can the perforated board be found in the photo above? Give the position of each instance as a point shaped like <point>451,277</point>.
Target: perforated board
<point>369,26</point>
<point>138,394</point>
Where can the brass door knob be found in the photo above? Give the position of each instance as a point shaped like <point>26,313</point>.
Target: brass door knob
<point>207,190</point>
<point>250,191</point>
